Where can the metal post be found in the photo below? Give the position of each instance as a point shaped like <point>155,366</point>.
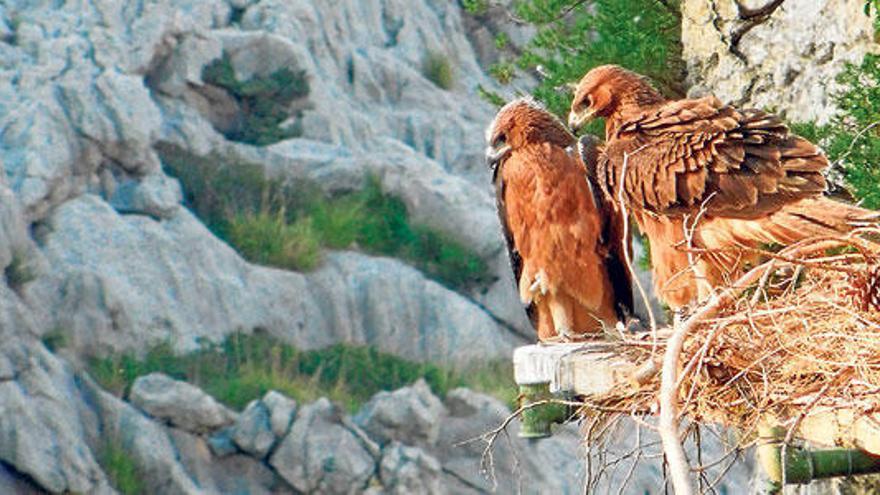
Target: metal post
<point>536,420</point>
<point>803,466</point>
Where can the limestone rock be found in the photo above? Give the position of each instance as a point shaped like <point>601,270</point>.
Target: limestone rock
<point>231,474</point>
<point>282,410</point>
<point>156,195</point>
<point>180,404</point>
<point>150,445</point>
<point>43,426</point>
<point>404,470</point>
<point>410,414</point>
<point>108,268</point>
<point>220,442</point>
<point>252,431</point>
<point>320,455</point>
<point>788,62</point>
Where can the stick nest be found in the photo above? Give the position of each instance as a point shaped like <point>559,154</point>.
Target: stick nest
<point>802,335</point>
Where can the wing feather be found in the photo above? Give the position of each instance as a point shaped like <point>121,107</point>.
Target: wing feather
<point>688,153</point>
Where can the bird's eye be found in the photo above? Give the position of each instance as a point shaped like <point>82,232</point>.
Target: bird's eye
<point>499,140</point>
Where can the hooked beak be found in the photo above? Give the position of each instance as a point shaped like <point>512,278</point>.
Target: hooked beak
<point>577,121</point>
<point>494,156</point>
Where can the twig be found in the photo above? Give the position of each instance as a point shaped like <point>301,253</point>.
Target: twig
<point>621,200</point>
<point>487,460</point>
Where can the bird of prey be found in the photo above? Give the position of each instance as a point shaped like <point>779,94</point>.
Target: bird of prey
<point>704,179</point>
<point>562,236</point>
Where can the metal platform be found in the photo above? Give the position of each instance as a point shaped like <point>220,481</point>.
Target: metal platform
<point>565,371</point>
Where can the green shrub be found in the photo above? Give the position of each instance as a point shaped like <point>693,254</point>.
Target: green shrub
<point>437,68</point>
<point>55,340</point>
<point>852,138</point>
<point>264,100</point>
<point>244,367</point>
<point>19,271</point>
<point>475,7</point>
<point>120,468</point>
<point>574,36</point>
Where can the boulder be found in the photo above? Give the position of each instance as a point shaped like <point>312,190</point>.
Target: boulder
<point>252,430</point>
<point>220,442</point>
<point>180,404</point>
<point>321,455</point>
<point>410,414</point>
<point>405,470</point>
<point>156,195</point>
<point>231,474</point>
<point>282,411</point>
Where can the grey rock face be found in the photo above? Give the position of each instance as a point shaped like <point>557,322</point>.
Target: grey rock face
<point>535,467</point>
<point>320,455</point>
<point>253,433</point>
<point>282,410</point>
<point>180,404</point>
<point>43,427</point>
<point>787,62</point>
<point>231,474</point>
<point>405,470</point>
<point>156,195</point>
<point>130,281</point>
<point>410,414</point>
<point>92,92</point>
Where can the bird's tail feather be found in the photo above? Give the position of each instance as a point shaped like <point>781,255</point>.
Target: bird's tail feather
<point>811,217</point>
<point>815,217</point>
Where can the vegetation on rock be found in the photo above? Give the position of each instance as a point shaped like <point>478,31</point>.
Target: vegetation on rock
<point>574,36</point>
<point>121,470</point>
<point>244,367</point>
<point>285,224</point>
<point>19,271</point>
<point>852,140</point>
<point>264,100</point>
<point>437,68</point>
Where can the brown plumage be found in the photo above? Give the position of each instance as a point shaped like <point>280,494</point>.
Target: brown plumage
<point>754,182</point>
<point>558,234</point>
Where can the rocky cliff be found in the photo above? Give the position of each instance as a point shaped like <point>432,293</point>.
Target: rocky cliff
<point>775,54</point>
<point>93,90</point>
<point>96,246</point>
<point>96,96</point>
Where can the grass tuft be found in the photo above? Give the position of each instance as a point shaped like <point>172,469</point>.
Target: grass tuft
<point>437,68</point>
<point>55,339</point>
<point>244,367</point>
<point>121,469</point>
<point>286,225</point>
<point>268,239</point>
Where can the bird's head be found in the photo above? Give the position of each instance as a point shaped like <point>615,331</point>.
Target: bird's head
<point>520,123</point>
<point>607,90</point>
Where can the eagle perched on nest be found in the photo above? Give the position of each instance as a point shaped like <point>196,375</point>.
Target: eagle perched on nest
<point>729,178</point>
<point>564,238</point>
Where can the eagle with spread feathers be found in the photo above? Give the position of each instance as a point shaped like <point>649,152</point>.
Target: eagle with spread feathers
<point>564,236</point>
<point>705,180</point>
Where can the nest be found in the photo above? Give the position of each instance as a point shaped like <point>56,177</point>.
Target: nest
<point>798,335</point>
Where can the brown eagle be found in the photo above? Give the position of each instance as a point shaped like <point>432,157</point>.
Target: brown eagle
<point>727,177</point>
<point>564,240</point>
